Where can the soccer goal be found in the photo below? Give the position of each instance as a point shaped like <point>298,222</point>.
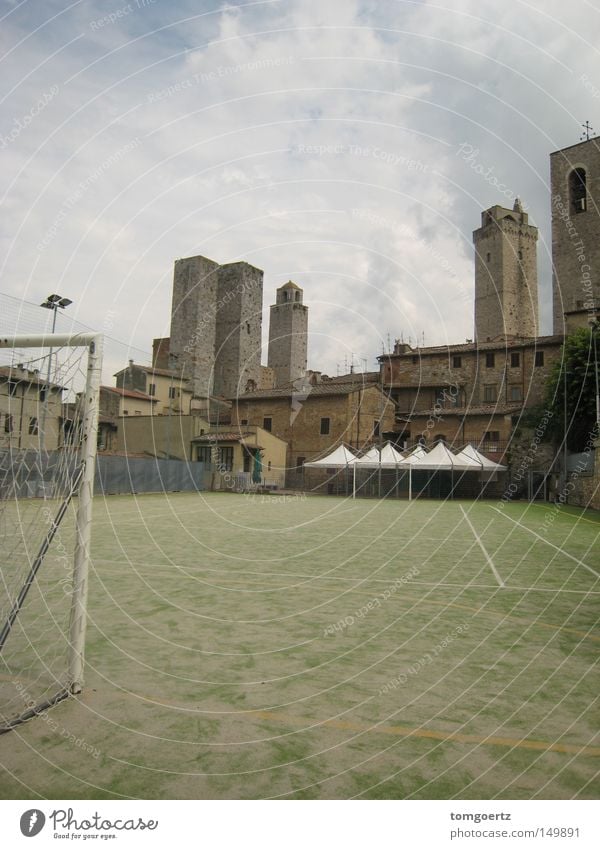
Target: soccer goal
<point>49,391</point>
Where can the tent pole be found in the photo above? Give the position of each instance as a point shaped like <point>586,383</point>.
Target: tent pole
<point>353,480</point>
<point>410,483</point>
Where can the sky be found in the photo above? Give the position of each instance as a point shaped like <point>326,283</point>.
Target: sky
<point>348,145</point>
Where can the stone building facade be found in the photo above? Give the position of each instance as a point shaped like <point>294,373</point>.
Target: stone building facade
<point>216,325</point>
<point>288,335</point>
<point>28,405</point>
<point>315,417</point>
<point>168,388</point>
<point>506,285</point>
<point>575,186</point>
<point>466,393</point>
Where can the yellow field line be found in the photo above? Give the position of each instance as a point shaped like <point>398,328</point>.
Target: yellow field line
<point>424,733</point>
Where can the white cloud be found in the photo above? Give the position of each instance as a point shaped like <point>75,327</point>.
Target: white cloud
<point>258,130</point>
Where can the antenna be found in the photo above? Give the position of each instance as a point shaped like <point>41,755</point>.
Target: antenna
<point>388,342</point>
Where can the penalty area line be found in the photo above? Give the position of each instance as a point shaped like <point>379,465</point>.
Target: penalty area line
<point>482,547</point>
<point>547,541</point>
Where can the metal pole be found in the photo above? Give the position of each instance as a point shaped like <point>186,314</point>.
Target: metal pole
<point>47,392</point>
<point>594,332</point>
<point>353,480</point>
<point>565,493</point>
<point>84,517</point>
<point>410,483</point>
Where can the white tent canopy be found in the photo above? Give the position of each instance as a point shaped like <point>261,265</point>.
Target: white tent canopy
<point>471,453</point>
<point>338,459</point>
<point>417,451</point>
<point>390,458</point>
<point>440,458</point>
<point>369,461</point>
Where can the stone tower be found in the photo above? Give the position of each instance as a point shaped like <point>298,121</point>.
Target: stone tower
<point>288,335</point>
<point>216,325</point>
<point>506,289</point>
<point>575,183</point>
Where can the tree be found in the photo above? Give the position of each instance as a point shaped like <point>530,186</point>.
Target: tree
<point>578,359</point>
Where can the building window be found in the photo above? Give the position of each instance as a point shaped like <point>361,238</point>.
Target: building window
<point>225,458</point>
<point>325,426</point>
<point>456,361</point>
<point>415,360</point>
<point>516,393</point>
<point>578,190</point>
<point>300,463</point>
<point>203,454</point>
<point>489,393</point>
<point>244,422</point>
<point>138,412</point>
<point>247,459</point>
<point>33,426</point>
<point>376,427</point>
<point>490,360</point>
<point>173,392</point>
<point>491,436</point>
<point>488,257</point>
<point>515,360</point>
<point>125,412</point>
<point>8,423</point>
<point>42,395</point>
<point>520,254</point>
<point>539,359</point>
<point>267,423</point>
<point>152,389</point>
<point>12,387</point>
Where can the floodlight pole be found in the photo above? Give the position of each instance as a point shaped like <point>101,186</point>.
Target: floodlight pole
<point>52,302</point>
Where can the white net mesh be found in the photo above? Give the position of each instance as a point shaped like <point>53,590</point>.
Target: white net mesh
<point>41,431</point>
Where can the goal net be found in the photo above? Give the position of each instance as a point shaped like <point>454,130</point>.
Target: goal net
<point>49,389</point>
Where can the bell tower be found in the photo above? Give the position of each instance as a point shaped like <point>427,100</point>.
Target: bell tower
<point>506,286</point>
<point>288,335</point>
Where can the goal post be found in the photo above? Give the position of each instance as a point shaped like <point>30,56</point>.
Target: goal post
<point>39,482</point>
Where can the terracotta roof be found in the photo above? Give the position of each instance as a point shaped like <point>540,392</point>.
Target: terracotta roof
<point>499,345</point>
<point>230,436</point>
<point>25,376</point>
<point>161,372</point>
<point>483,410</point>
<point>341,385</point>
<point>129,393</point>
<point>289,285</point>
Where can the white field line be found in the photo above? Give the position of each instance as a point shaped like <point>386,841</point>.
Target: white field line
<point>482,547</point>
<point>187,570</point>
<point>551,544</point>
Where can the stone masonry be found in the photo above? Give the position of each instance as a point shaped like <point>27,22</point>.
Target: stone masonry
<point>288,335</point>
<point>216,325</point>
<point>506,290</point>
<point>575,183</point>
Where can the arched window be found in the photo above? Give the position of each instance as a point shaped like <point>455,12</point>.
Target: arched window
<point>577,191</point>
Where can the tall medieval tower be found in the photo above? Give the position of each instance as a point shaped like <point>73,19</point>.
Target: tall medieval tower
<point>575,184</point>
<point>506,289</point>
<point>288,335</point>
<point>216,325</point>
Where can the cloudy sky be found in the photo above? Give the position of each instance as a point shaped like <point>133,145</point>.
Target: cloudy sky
<point>350,146</point>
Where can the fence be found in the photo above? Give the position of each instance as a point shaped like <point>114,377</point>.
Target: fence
<point>127,475</point>
<point>35,474</point>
